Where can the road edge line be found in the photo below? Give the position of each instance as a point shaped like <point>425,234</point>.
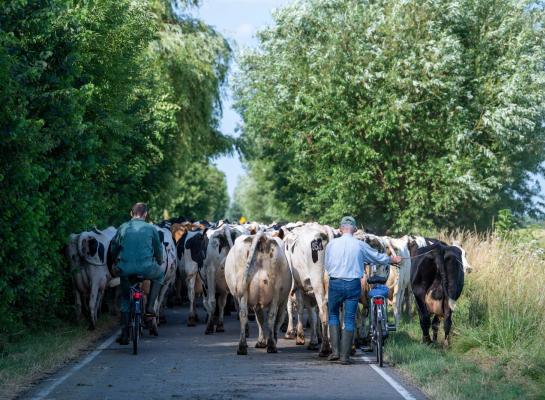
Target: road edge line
<point>391,381</point>
<point>42,394</point>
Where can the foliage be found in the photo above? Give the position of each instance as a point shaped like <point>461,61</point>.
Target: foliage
<point>407,114</point>
<point>102,103</point>
<point>201,193</point>
<point>505,222</point>
<point>253,195</point>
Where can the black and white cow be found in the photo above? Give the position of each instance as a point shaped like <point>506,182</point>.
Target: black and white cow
<point>191,252</point>
<point>86,253</point>
<point>437,280</point>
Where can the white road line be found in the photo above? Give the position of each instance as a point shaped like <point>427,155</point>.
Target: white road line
<point>393,383</point>
<point>42,394</point>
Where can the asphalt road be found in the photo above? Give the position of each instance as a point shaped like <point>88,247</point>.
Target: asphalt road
<point>183,363</point>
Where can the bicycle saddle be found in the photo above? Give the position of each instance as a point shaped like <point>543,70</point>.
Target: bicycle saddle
<point>136,279</point>
<point>377,280</point>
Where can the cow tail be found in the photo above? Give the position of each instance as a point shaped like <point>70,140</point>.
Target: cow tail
<point>227,232</point>
<point>251,260</point>
<point>444,280</point>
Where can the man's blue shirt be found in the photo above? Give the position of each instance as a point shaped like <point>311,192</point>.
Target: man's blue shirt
<point>346,256</point>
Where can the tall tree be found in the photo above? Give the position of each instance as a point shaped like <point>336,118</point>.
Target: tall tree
<point>407,114</point>
<point>102,103</point>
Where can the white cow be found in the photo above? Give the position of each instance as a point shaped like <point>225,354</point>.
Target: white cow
<point>305,249</point>
<point>258,276</point>
<point>86,253</point>
<point>168,267</point>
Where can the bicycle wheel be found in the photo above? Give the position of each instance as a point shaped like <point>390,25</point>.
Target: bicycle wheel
<point>380,343</point>
<point>135,334</point>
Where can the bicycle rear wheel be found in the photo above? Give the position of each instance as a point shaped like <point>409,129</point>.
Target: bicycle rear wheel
<point>380,344</point>
<point>135,334</point>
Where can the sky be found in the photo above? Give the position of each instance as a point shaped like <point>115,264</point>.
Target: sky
<point>238,20</point>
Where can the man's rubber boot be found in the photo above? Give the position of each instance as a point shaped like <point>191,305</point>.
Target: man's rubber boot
<point>346,346</point>
<point>334,341</point>
<point>153,293</point>
<point>123,339</point>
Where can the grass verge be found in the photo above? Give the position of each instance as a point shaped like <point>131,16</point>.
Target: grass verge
<point>34,355</point>
<point>498,348</point>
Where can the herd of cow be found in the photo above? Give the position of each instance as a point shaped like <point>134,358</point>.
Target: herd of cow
<point>275,268</point>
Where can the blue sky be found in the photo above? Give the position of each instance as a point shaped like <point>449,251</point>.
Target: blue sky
<point>238,20</point>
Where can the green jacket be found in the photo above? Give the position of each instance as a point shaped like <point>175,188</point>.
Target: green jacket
<point>136,248</point>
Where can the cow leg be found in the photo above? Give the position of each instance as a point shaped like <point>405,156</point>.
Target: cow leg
<point>243,317</point>
<point>210,300</point>
<point>325,348</point>
<point>447,325</point>
<point>93,304</point>
<point>273,312</point>
<point>398,302</point>
<point>313,345</point>
<point>419,295</point>
<point>300,340</point>
<point>279,320</point>
<point>222,300</point>
<point>78,305</point>
<point>260,319</point>
<point>191,318</point>
<point>435,327</point>
<point>290,331</point>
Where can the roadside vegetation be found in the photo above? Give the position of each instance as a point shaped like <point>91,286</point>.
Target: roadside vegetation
<point>102,103</point>
<point>499,325</point>
<point>35,354</point>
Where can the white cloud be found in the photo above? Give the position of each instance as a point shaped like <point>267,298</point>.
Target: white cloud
<point>244,32</point>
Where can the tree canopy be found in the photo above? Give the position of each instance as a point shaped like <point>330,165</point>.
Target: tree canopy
<point>407,114</point>
<point>102,103</point>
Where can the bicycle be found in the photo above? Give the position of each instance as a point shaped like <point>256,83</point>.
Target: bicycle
<point>378,312</point>
<point>136,327</point>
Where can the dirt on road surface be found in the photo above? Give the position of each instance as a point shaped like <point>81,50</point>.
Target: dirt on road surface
<point>183,363</point>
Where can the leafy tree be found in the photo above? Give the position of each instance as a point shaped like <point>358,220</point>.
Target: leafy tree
<point>407,114</point>
<point>102,103</point>
<point>201,193</point>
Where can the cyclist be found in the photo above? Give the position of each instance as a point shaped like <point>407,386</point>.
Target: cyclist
<point>345,258</point>
<point>136,250</point>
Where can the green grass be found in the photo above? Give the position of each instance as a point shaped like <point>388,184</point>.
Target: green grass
<point>30,357</point>
<point>498,347</point>
<point>465,371</point>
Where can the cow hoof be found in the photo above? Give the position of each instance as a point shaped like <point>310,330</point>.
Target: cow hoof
<point>209,330</point>
<point>272,350</point>
<point>446,343</point>
<point>325,353</point>
<point>197,318</point>
<point>290,335</point>
<point>242,350</point>
<point>191,321</point>
<point>313,346</point>
<point>260,345</point>
<point>220,328</point>
<point>300,341</point>
<point>426,340</point>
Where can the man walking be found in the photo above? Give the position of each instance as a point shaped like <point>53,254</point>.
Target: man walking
<point>345,258</point>
<point>136,250</point>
